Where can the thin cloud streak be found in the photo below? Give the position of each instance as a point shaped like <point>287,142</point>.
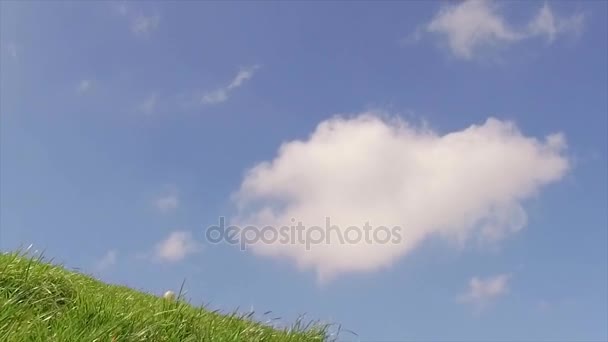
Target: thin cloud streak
<point>222,94</point>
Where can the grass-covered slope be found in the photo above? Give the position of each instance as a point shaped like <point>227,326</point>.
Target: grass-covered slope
<point>44,302</point>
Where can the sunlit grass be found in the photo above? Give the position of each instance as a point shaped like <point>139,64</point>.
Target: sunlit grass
<point>40,301</point>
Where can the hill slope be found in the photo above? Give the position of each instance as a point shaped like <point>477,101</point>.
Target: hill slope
<point>44,302</point>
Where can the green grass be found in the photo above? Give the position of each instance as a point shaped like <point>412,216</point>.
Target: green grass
<point>40,301</point>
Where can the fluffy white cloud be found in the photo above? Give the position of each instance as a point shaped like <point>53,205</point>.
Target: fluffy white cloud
<point>472,25</point>
<point>483,290</point>
<point>464,185</point>
<point>222,94</point>
<point>176,247</point>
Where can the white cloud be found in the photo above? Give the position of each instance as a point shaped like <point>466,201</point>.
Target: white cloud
<point>464,185</point>
<point>474,25</point>
<point>216,96</point>
<point>222,94</point>
<point>484,290</point>
<point>548,25</point>
<point>167,202</point>
<point>142,24</point>
<point>148,106</point>
<point>84,86</point>
<point>176,247</point>
<point>471,24</point>
<point>108,260</point>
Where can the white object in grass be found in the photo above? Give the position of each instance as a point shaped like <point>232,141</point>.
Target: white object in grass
<point>169,295</point>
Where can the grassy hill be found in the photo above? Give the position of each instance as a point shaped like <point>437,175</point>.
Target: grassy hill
<point>44,302</point>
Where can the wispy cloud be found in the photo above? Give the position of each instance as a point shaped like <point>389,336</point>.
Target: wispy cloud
<point>12,50</point>
<point>222,94</point>
<point>121,8</point>
<point>177,246</point>
<point>108,260</point>
<point>483,291</point>
<point>141,24</point>
<point>148,105</point>
<point>168,201</point>
<point>84,86</point>
<point>548,25</point>
<point>471,26</point>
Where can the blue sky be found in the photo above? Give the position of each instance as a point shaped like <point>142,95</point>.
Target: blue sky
<point>480,128</point>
